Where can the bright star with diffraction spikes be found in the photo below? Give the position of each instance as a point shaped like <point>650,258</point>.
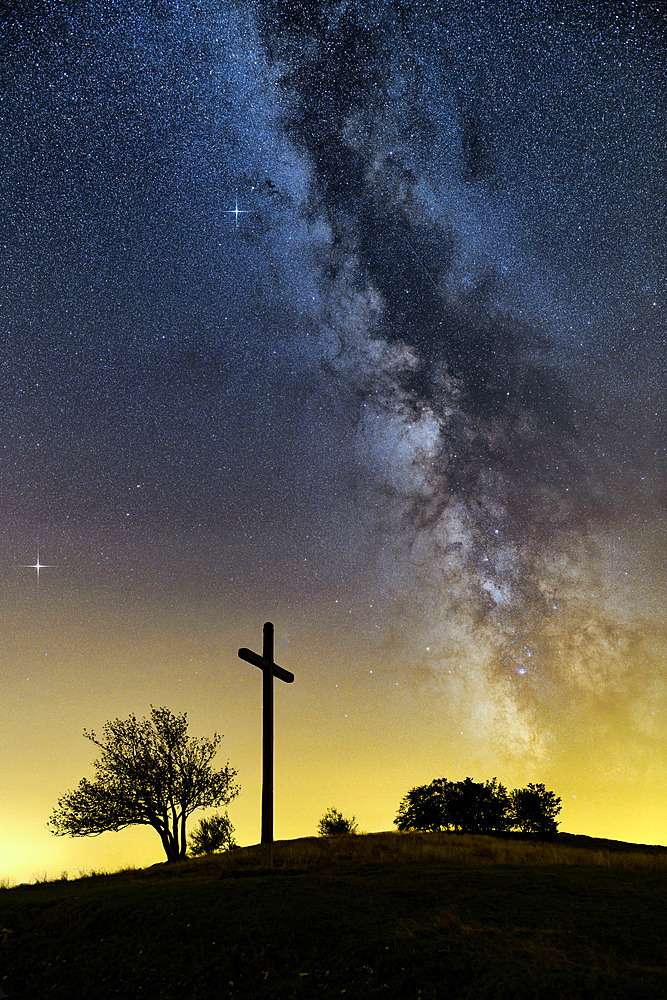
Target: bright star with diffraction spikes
<point>37,566</point>
<point>236,211</point>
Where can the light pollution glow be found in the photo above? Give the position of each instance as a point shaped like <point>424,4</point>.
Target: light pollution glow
<point>403,399</point>
<point>345,731</point>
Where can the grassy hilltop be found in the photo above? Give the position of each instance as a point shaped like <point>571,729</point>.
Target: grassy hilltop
<point>382,915</point>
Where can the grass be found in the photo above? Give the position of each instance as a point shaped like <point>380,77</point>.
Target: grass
<point>447,848</point>
<point>383,915</point>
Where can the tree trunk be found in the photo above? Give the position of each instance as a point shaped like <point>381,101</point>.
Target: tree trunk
<point>177,846</point>
<point>184,841</point>
<point>170,847</point>
<point>174,852</point>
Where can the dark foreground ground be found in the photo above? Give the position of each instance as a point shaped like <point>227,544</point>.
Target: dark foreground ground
<point>414,929</point>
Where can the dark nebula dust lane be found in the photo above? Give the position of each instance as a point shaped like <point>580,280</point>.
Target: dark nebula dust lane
<point>461,168</point>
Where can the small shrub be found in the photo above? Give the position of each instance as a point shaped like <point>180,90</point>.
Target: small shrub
<point>215,833</point>
<point>333,823</point>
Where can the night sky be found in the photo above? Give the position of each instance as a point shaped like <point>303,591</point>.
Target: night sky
<point>404,402</point>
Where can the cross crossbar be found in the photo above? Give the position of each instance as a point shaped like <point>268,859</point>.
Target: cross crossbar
<point>259,661</point>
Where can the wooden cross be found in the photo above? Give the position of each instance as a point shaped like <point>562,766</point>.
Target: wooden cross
<point>269,669</point>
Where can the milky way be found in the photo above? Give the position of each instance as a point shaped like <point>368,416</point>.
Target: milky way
<point>460,166</point>
<point>420,371</point>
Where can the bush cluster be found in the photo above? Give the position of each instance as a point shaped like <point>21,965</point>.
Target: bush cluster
<point>214,833</point>
<point>478,807</point>
<point>333,823</point>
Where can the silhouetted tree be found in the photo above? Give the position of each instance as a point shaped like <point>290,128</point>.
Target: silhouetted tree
<point>534,810</point>
<point>495,808</point>
<point>424,808</point>
<point>149,773</point>
<point>334,823</point>
<point>476,807</point>
<point>214,833</point>
<point>462,805</point>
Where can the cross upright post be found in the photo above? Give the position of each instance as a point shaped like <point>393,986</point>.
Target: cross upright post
<point>269,669</point>
<point>267,736</point>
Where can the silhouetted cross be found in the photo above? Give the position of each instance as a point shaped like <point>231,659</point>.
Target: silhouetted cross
<point>269,669</point>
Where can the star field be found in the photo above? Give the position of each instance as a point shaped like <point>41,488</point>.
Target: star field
<point>350,315</point>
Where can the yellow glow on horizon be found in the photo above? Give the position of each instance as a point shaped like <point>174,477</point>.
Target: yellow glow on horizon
<point>357,729</point>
